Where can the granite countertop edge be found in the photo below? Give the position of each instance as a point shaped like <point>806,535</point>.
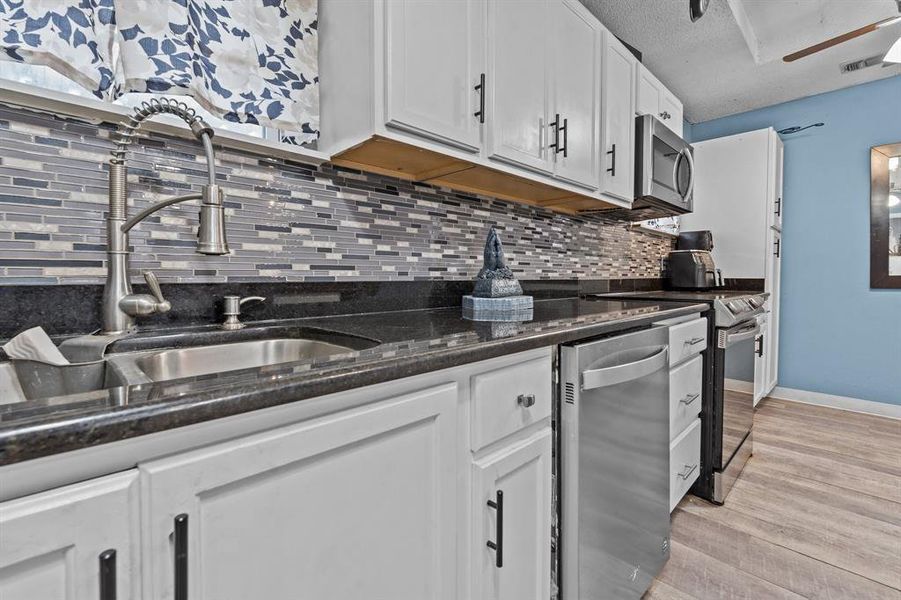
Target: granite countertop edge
<point>70,431</point>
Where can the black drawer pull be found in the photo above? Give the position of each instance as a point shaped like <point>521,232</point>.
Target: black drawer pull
<point>498,546</point>
<point>759,349</point>
<point>778,248</point>
<point>181,557</point>
<point>481,90</point>
<point>108,575</point>
<point>526,400</point>
<point>612,152</point>
<point>779,207</point>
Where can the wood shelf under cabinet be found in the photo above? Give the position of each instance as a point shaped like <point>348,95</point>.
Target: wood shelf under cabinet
<point>405,161</point>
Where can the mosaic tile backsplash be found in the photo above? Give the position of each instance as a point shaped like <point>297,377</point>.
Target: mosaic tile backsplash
<point>286,221</point>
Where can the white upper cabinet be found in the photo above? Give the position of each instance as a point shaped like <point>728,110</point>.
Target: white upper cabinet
<point>517,94</point>
<point>618,126</point>
<point>575,74</point>
<point>74,543</point>
<point>434,61</point>
<point>359,504</point>
<point>653,98</point>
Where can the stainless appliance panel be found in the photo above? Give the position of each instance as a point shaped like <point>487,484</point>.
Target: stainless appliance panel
<point>664,167</point>
<point>615,465</point>
<point>736,346</point>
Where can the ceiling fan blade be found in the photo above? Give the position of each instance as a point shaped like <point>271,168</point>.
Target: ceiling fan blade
<point>839,39</point>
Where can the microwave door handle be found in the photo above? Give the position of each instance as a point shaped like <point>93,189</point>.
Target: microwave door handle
<point>676,173</point>
<point>691,172</point>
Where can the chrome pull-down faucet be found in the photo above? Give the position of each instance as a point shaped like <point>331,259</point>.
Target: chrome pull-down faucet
<point>120,305</point>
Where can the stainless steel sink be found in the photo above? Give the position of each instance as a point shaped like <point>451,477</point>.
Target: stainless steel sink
<point>204,360</point>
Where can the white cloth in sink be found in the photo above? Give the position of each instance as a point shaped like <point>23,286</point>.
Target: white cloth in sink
<point>34,344</point>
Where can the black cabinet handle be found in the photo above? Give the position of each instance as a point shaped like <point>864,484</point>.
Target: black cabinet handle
<point>498,545</point>
<point>108,575</point>
<point>778,250</point>
<point>565,129</point>
<point>760,346</point>
<point>481,90</point>
<point>556,126</point>
<point>181,557</point>
<point>612,153</point>
<point>779,207</point>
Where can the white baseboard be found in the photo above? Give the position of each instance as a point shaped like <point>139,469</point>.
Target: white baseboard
<point>869,407</point>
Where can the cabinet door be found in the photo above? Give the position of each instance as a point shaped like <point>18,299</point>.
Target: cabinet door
<point>60,544</point>
<point>517,483</point>
<point>518,65</point>
<point>618,130</point>
<point>576,71</point>
<point>647,91</point>
<point>773,286</point>
<point>671,111</point>
<point>358,504</point>
<point>434,60</point>
<point>760,360</point>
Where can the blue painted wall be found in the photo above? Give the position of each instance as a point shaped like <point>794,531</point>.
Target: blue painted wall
<point>837,335</point>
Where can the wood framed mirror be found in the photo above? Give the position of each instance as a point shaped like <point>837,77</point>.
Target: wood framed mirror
<point>885,216</point>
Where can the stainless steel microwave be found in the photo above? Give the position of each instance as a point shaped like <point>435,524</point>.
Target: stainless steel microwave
<point>664,168</point>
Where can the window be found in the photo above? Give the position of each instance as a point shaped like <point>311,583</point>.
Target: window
<point>46,78</point>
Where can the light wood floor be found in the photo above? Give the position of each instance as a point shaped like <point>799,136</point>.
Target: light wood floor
<point>815,514</point>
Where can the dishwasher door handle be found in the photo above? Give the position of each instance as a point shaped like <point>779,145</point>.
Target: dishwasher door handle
<point>606,376</point>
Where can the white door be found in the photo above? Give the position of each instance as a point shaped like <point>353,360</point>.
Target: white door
<point>773,286</point>
<point>519,37</point>
<point>647,91</point>
<point>761,359</point>
<point>618,130</point>
<point>576,71</point>
<point>78,542</point>
<point>517,484</point>
<point>358,504</point>
<point>434,63</point>
<point>670,111</point>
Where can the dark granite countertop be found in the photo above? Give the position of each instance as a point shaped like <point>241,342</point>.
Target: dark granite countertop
<point>412,342</point>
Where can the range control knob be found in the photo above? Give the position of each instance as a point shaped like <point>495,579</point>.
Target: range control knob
<point>755,302</point>
<point>734,306</point>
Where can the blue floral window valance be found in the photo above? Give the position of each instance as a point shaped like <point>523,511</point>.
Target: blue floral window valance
<point>247,61</point>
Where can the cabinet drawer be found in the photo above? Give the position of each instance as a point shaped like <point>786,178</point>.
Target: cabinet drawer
<point>686,340</point>
<point>684,462</point>
<point>685,384</point>
<point>509,399</point>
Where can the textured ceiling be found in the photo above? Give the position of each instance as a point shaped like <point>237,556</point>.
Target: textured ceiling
<point>731,60</point>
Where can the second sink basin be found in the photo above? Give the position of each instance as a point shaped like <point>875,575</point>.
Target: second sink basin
<point>204,360</point>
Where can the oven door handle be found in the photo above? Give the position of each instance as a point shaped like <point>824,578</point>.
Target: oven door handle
<point>606,376</point>
<point>741,335</point>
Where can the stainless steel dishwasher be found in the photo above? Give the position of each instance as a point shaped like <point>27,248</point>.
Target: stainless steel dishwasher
<point>614,453</point>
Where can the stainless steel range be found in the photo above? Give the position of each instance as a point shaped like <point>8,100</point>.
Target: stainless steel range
<point>727,411</point>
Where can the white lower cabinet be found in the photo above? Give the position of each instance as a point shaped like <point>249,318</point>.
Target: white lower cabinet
<point>379,496</point>
<point>684,462</point>
<point>361,504</point>
<point>78,542</point>
<point>512,512</point>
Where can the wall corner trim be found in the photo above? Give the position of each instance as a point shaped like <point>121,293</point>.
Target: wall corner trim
<point>881,409</point>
